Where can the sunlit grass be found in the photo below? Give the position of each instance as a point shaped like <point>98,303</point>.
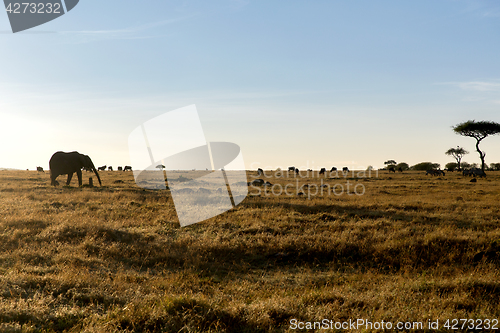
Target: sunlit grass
<point>114,258</point>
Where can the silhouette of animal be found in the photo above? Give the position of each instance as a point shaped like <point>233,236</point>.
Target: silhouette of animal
<point>62,163</point>
<point>120,168</point>
<point>257,182</point>
<point>474,172</point>
<point>260,172</point>
<point>479,172</point>
<point>392,169</point>
<point>322,171</point>
<point>291,168</point>
<point>333,169</point>
<point>345,169</point>
<point>110,168</point>
<point>102,168</point>
<point>434,172</point>
<point>127,168</point>
<point>39,169</point>
<point>400,169</point>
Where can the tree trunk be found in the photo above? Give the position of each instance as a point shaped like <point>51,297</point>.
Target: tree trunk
<point>481,154</point>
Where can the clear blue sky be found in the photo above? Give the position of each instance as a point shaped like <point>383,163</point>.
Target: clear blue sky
<point>304,83</point>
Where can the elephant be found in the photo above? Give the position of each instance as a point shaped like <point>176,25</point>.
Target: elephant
<point>62,163</point>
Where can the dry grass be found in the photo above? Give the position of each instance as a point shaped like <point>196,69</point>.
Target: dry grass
<point>113,258</point>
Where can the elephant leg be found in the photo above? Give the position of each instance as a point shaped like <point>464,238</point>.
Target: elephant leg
<point>79,174</point>
<point>70,175</point>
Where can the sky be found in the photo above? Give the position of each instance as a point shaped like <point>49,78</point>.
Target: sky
<point>306,83</point>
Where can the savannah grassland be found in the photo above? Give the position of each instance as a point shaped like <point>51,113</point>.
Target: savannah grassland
<point>113,258</point>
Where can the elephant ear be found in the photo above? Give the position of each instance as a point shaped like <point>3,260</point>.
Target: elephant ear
<point>86,161</point>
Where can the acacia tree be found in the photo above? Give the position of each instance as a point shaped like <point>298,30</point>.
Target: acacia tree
<point>457,153</point>
<point>477,130</point>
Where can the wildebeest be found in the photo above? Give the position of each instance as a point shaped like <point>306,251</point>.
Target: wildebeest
<point>127,168</point>
<point>291,168</point>
<point>434,172</point>
<point>474,172</point>
<point>257,182</point>
<point>345,169</point>
<point>322,171</point>
<point>120,168</point>
<point>260,172</point>
<point>101,168</point>
<point>297,171</point>
<point>333,169</point>
<point>110,168</point>
<point>392,169</point>
<point>39,169</point>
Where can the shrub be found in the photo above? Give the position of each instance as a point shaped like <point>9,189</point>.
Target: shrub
<point>495,166</point>
<point>451,166</point>
<point>425,166</point>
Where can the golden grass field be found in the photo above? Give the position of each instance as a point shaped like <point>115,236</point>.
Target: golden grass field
<point>114,259</point>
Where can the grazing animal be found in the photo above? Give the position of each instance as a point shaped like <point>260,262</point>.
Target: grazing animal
<point>257,182</point>
<point>127,168</point>
<point>102,168</point>
<point>39,169</point>
<point>120,168</point>
<point>322,171</point>
<point>474,172</point>
<point>345,169</point>
<point>434,172</point>
<point>260,172</point>
<point>110,168</point>
<point>392,169</point>
<point>62,163</point>
<point>291,168</point>
<point>333,169</point>
<point>297,171</point>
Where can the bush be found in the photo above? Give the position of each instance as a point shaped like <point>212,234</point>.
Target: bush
<point>404,166</point>
<point>452,166</point>
<point>495,166</point>
<point>425,166</point>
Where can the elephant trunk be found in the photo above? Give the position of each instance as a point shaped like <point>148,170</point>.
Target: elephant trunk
<point>97,174</point>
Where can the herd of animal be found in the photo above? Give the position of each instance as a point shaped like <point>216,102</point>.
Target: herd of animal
<point>110,168</point>
<point>62,163</point>
<point>101,168</point>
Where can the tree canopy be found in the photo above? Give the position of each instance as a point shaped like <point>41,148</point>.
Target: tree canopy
<point>457,153</point>
<point>425,166</point>
<point>478,130</point>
